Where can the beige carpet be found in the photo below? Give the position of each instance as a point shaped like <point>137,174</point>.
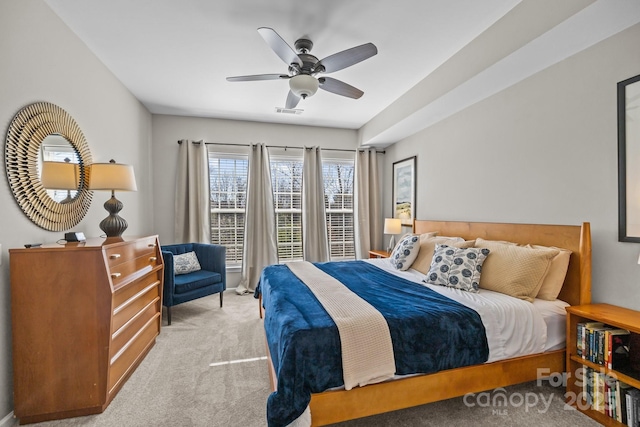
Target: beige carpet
<point>176,386</point>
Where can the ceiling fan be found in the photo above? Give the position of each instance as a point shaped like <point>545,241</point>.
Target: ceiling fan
<point>304,67</point>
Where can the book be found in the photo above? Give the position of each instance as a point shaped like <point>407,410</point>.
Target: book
<point>599,393</point>
<point>600,335</point>
<point>621,401</point>
<point>579,342</point>
<point>593,343</point>
<point>587,379</point>
<point>618,348</point>
<point>607,396</point>
<point>605,357</point>
<point>585,336</point>
<point>633,407</point>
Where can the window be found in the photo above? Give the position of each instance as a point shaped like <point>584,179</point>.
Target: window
<point>228,181</point>
<point>228,186</point>
<point>286,178</point>
<point>338,195</point>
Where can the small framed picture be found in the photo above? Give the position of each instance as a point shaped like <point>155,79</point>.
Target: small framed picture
<point>404,190</point>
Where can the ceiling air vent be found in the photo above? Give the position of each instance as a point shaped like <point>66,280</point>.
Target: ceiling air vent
<point>289,110</point>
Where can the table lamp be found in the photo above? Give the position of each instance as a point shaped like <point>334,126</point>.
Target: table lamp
<point>392,226</point>
<point>112,176</point>
<point>61,176</point>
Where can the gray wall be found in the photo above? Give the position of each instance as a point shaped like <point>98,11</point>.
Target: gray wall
<point>42,60</point>
<point>541,151</point>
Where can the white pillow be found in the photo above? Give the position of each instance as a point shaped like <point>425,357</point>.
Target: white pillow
<point>405,252</point>
<point>185,263</point>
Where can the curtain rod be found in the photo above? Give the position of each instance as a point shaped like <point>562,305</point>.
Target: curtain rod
<point>279,146</point>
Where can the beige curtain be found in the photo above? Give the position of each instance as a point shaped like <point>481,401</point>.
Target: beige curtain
<point>315,243</point>
<point>367,208</point>
<point>192,202</point>
<point>260,247</point>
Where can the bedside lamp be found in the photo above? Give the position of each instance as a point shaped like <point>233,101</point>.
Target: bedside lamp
<point>392,226</point>
<point>112,176</point>
<point>61,176</point>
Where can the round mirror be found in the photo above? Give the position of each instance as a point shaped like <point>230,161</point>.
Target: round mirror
<point>46,128</point>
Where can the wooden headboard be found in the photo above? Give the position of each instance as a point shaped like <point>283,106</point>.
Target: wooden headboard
<point>577,284</point>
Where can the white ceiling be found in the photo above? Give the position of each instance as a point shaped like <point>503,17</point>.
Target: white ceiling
<point>174,55</point>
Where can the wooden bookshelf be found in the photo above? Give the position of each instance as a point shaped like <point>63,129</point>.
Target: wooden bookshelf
<point>609,315</point>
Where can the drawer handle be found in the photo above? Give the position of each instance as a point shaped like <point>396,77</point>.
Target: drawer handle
<point>115,256</point>
<point>115,275</point>
<point>152,245</point>
<point>153,259</point>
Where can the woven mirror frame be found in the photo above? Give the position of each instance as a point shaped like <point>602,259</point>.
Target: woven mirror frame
<point>27,131</point>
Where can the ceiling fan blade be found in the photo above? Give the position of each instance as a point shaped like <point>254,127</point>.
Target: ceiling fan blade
<point>339,88</point>
<point>348,57</point>
<point>292,101</point>
<point>279,46</point>
<point>257,77</point>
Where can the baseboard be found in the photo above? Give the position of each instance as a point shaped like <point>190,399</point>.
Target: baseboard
<point>8,421</point>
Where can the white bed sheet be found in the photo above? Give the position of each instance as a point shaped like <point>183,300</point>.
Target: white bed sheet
<point>555,316</point>
<point>514,327</point>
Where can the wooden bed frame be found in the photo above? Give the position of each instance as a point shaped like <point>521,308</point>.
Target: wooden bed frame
<point>341,405</point>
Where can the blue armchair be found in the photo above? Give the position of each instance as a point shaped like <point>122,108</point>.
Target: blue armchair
<point>211,279</point>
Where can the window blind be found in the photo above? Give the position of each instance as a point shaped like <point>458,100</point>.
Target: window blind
<point>228,186</point>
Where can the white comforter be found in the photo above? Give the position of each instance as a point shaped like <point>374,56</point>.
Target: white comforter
<point>514,327</point>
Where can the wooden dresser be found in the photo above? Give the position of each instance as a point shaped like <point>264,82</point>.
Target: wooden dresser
<point>84,316</point>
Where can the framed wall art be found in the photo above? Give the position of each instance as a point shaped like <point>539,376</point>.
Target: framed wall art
<point>404,190</point>
<point>629,160</point>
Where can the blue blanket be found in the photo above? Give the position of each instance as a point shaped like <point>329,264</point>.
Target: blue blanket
<point>429,332</point>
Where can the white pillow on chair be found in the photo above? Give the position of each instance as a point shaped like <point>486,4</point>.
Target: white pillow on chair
<point>185,263</point>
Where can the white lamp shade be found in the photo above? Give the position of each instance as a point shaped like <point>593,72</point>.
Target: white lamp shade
<point>112,176</point>
<point>60,176</point>
<point>303,85</point>
<point>392,226</point>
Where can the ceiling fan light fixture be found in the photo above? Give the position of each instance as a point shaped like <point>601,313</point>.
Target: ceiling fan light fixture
<point>303,85</point>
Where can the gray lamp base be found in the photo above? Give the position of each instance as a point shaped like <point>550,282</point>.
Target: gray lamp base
<point>113,225</point>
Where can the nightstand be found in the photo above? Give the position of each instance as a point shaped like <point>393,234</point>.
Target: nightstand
<point>378,254</point>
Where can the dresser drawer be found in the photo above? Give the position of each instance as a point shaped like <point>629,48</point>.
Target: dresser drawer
<point>125,311</point>
<point>122,336</point>
<point>123,293</point>
<point>129,354</point>
<point>122,253</point>
<point>121,273</point>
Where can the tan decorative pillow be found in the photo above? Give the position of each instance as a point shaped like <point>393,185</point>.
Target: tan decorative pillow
<point>553,281</point>
<point>514,270</point>
<point>428,245</point>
